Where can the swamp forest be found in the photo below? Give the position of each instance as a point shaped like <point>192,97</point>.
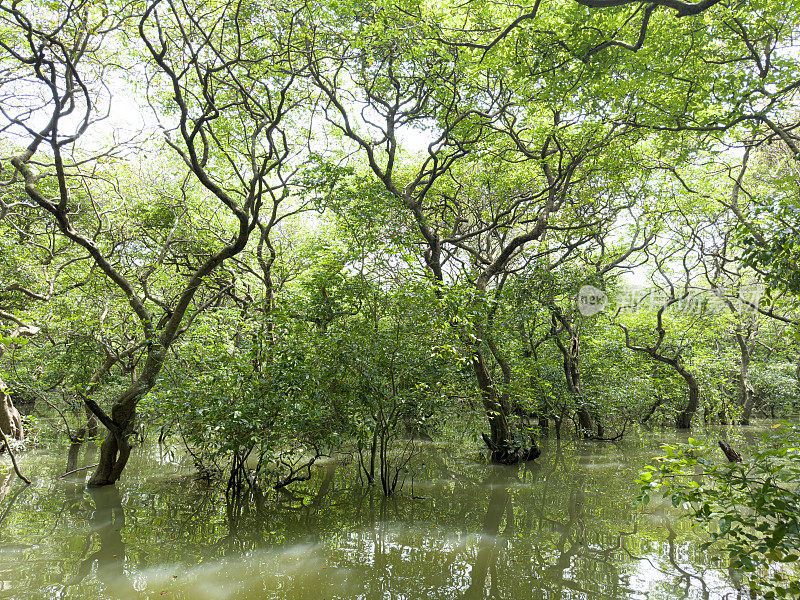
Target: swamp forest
<point>394,299</point>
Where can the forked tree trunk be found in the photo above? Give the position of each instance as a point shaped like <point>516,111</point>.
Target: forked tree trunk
<point>587,427</point>
<point>503,441</point>
<point>114,454</point>
<point>116,447</point>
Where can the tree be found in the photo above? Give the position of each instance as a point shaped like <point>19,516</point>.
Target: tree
<point>673,291</point>
<point>474,225</point>
<point>227,108</point>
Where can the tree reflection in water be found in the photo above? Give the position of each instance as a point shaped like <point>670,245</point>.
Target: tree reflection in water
<point>566,526</point>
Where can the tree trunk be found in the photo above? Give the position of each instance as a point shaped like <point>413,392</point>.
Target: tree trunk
<point>651,411</point>
<point>10,420</point>
<point>115,449</point>
<point>572,372</point>
<point>114,454</point>
<point>745,389</point>
<point>542,418</point>
<point>746,399</point>
<point>500,432</point>
<point>91,425</point>
<point>502,441</point>
<point>586,424</point>
<point>684,420</point>
<point>723,415</point>
<point>544,424</point>
<point>72,456</point>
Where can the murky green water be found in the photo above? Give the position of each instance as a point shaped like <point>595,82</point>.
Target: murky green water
<point>565,527</point>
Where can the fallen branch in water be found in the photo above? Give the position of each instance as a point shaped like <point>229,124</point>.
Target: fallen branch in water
<point>13,458</point>
<point>78,469</point>
<point>597,438</point>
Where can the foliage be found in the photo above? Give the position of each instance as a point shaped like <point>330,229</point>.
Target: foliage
<point>769,230</point>
<point>364,219</point>
<point>750,509</point>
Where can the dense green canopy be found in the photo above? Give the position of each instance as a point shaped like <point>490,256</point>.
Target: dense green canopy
<point>272,231</point>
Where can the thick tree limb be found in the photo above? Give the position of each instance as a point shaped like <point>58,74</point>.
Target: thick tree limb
<point>648,11</point>
<point>683,9</point>
<point>101,415</point>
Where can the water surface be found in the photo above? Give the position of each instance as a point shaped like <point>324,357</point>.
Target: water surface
<point>567,526</point>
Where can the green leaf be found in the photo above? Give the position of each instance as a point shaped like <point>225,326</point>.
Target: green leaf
<point>724,526</point>
<point>777,535</point>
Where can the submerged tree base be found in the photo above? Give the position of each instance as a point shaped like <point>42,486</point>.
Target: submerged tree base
<point>510,453</point>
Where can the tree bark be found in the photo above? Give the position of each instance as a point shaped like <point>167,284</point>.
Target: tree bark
<point>115,449</point>
<point>746,394</point>
<point>503,441</point>
<point>572,373</point>
<point>499,431</point>
<point>746,391</point>
<point>731,454</point>
<point>10,420</point>
<point>684,420</point>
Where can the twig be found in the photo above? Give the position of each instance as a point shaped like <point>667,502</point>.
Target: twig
<point>78,469</point>
<point>13,459</point>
